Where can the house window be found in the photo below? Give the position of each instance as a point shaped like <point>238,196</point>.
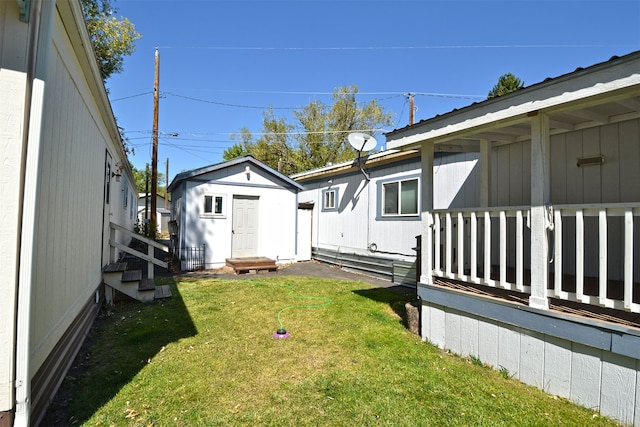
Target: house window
<point>400,197</point>
<point>213,205</point>
<point>125,193</point>
<point>330,199</point>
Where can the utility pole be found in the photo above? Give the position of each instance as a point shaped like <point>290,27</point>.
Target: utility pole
<point>166,186</point>
<point>411,109</point>
<point>146,194</point>
<point>154,153</point>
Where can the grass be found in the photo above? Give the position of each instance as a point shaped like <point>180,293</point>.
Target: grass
<point>207,357</point>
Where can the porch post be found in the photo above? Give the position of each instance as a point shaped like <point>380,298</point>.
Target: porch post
<point>427,206</point>
<point>540,199</point>
<point>485,173</point>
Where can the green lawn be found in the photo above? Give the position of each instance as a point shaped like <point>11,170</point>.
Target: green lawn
<point>207,356</point>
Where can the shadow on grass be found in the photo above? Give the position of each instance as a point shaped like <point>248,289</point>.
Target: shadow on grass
<point>120,343</point>
<point>395,298</point>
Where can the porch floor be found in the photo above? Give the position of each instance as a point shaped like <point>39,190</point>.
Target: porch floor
<point>569,307</point>
<point>245,265</point>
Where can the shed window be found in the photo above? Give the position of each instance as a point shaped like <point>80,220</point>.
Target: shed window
<point>213,205</point>
<point>400,197</point>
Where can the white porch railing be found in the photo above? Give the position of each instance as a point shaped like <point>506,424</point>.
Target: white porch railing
<point>491,247</point>
<point>151,245</point>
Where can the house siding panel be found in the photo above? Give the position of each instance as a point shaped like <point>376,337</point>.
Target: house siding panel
<point>557,367</point>
<point>594,375</point>
<point>358,221</point>
<point>13,49</point>
<point>618,386</point>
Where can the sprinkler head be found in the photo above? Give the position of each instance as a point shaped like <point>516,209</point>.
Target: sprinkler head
<point>281,333</point>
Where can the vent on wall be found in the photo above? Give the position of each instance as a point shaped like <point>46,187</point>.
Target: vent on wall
<point>590,160</point>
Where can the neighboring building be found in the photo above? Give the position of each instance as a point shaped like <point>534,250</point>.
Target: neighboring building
<point>163,212</point>
<point>366,213</point>
<point>237,209</point>
<point>538,274</point>
<point>61,154</point>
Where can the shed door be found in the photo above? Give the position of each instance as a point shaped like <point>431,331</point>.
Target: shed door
<point>244,242</point>
<point>304,234</point>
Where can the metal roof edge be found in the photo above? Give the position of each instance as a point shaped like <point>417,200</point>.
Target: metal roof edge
<point>183,176</point>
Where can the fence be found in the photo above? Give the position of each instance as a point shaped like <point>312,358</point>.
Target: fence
<point>192,259</point>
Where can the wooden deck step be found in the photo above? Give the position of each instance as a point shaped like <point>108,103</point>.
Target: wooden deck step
<point>146,285</point>
<point>115,267</point>
<point>132,276</point>
<point>244,265</point>
<point>162,291</point>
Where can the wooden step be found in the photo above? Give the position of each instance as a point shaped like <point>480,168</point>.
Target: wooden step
<point>244,265</point>
<point>116,267</point>
<point>146,285</point>
<point>132,276</point>
<point>162,291</point>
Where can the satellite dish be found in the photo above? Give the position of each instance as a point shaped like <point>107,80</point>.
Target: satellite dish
<point>362,141</point>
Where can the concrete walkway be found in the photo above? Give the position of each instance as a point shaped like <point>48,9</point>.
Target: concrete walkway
<point>306,269</point>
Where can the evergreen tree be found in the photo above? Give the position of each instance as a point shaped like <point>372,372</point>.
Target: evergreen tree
<point>506,83</point>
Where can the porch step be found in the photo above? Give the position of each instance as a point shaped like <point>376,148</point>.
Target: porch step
<point>146,285</point>
<point>244,265</point>
<point>162,291</point>
<point>132,276</point>
<point>130,282</point>
<point>116,267</point>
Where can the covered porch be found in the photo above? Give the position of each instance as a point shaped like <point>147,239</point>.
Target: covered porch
<point>541,278</point>
<point>559,183</point>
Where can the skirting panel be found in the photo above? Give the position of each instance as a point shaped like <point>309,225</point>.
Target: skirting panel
<point>572,358</point>
<point>45,382</point>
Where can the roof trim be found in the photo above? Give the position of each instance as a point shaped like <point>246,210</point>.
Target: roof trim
<point>604,80</point>
<point>369,161</point>
<point>184,176</point>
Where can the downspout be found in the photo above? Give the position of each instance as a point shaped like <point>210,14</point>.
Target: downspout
<point>27,210</point>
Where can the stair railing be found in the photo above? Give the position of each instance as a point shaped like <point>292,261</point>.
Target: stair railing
<point>151,246</point>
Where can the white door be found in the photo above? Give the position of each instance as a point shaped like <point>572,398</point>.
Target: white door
<point>106,211</point>
<point>304,234</point>
<point>244,241</point>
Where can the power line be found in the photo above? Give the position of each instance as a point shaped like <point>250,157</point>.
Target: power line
<point>229,105</point>
<point>132,96</point>
<point>425,47</point>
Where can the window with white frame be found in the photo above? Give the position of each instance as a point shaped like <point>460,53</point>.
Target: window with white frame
<point>400,197</point>
<point>125,193</point>
<point>329,199</point>
<point>213,205</point>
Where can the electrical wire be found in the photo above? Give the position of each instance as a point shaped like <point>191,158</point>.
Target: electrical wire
<point>424,47</point>
<point>230,105</point>
<point>132,96</point>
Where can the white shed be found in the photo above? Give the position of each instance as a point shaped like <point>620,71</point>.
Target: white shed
<point>237,209</point>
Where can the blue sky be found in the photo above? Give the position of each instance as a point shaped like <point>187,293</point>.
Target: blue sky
<point>222,63</point>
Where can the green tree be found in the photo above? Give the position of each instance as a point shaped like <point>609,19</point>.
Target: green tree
<point>112,38</point>
<point>140,176</point>
<point>506,83</point>
<point>317,137</point>
<point>239,149</point>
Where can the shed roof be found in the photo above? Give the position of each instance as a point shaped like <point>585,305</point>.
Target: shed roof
<point>184,176</point>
